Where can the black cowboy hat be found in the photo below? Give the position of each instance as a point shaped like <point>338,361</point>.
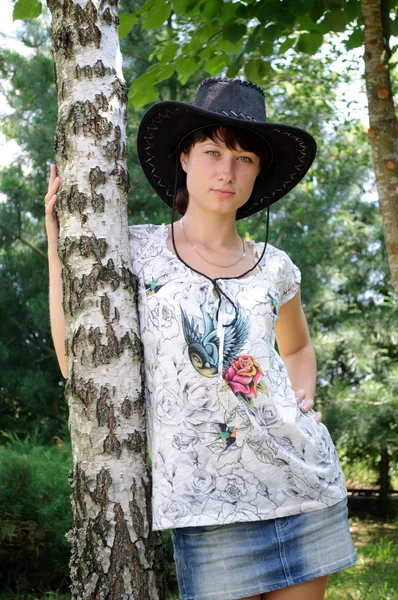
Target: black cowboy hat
<point>223,101</point>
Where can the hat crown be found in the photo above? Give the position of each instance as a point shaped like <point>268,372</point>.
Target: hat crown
<point>232,98</point>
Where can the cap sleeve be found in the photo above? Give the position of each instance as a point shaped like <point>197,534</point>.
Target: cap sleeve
<point>138,237</point>
<point>290,279</point>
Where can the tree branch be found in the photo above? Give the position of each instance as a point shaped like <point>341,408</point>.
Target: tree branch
<point>21,239</point>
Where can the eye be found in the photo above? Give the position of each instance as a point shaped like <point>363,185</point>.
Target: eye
<point>212,152</point>
<point>245,159</point>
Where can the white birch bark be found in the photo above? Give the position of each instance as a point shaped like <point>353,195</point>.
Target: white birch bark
<point>114,554</point>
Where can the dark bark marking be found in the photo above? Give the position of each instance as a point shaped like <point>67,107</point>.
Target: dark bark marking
<point>135,442</point>
<point>76,200</point>
<point>105,307</point>
<point>77,289</point>
<point>126,408</point>
<point>124,553</point>
<point>122,177</point>
<point>60,143</point>
<point>86,117</point>
<point>103,407</point>
<point>88,15</point>
<point>101,102</point>
<point>82,389</point>
<point>97,177</point>
<point>112,445</point>
<point>63,41</point>
<point>113,148</point>
<point>129,280</point>
<point>119,89</point>
<point>92,246</point>
<point>89,35</point>
<point>107,17</point>
<point>101,491</point>
<point>85,246</point>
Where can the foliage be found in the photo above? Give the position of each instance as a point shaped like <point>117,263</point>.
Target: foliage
<point>35,513</point>
<point>30,389</point>
<point>239,38</point>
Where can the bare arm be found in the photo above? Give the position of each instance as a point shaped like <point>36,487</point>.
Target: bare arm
<point>296,350</point>
<point>57,317</point>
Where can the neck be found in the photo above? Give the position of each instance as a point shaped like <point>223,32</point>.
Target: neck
<point>212,230</point>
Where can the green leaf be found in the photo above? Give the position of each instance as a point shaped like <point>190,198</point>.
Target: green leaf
<point>145,8</point>
<point>235,66</point>
<point>266,49</point>
<point>215,65</point>
<point>186,67</point>
<point>394,26</point>
<point>141,95</point>
<point>309,43</point>
<point>233,33</point>
<point>306,23</point>
<point>245,12</point>
<point>317,11</point>
<point>287,44</point>
<point>157,15</point>
<point>229,11</point>
<point>143,89</point>
<point>356,39</point>
<point>301,7</point>
<point>256,69</point>
<point>169,52</point>
<point>254,39</point>
<point>227,46</point>
<point>26,9</point>
<point>127,22</point>
<point>211,9</point>
<point>335,20</point>
<point>184,7</point>
<point>352,9</point>
<point>273,32</point>
<point>158,72</point>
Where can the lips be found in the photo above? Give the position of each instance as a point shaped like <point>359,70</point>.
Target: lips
<point>223,192</point>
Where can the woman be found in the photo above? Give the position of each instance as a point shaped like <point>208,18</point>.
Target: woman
<point>250,485</point>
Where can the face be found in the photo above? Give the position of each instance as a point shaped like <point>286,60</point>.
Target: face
<point>219,179</point>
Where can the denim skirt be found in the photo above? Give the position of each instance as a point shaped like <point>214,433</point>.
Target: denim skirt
<point>227,562</point>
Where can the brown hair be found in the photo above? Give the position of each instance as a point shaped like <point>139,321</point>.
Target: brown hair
<point>232,137</point>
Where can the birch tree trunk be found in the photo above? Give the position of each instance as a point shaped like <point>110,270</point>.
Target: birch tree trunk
<point>383,130</point>
<point>114,554</point>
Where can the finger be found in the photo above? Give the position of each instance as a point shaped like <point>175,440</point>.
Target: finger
<point>50,205</point>
<point>300,395</point>
<point>318,417</point>
<point>307,405</point>
<point>52,189</point>
<point>53,174</point>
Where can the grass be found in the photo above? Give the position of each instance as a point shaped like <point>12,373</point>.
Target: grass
<point>374,577</point>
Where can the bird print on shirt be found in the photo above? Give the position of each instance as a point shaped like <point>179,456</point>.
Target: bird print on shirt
<point>203,348</point>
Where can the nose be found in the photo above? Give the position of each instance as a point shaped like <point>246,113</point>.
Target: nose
<point>226,170</point>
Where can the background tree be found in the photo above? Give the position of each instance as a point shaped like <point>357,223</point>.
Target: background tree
<point>332,233</point>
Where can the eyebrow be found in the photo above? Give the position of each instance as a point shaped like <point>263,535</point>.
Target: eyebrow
<point>210,142</point>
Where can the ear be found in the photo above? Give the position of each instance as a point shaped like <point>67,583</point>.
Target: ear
<point>184,161</point>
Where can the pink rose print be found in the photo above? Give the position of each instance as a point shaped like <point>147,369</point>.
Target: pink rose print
<point>243,378</point>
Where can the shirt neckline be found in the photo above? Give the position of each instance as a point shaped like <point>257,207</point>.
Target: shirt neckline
<point>165,249</point>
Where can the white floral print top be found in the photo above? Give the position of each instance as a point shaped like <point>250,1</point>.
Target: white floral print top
<point>227,439</point>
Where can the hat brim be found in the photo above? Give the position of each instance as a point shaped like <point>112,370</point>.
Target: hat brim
<point>166,123</point>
